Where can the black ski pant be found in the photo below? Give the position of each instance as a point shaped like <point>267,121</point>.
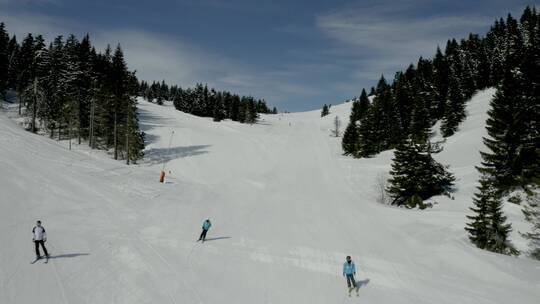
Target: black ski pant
<point>203,235</point>
<point>351,280</point>
<point>37,243</point>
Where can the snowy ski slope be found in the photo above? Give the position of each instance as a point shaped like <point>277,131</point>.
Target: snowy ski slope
<point>286,209</point>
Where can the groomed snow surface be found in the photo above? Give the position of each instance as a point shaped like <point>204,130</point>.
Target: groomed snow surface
<point>286,208</point>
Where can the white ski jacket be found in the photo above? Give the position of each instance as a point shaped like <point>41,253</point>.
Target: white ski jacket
<point>39,233</point>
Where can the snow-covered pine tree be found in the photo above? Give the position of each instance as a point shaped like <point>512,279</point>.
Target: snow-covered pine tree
<point>325,110</point>
<point>380,129</point>
<point>219,109</point>
<point>4,59</point>
<point>529,67</point>
<point>488,228</point>
<point>478,227</point>
<point>25,61</point>
<point>360,107</point>
<point>251,111</point>
<point>441,73</point>
<point>70,81</point>
<point>84,85</point>
<point>507,131</point>
<point>125,121</point>
<point>454,110</point>
<point>134,145</point>
<point>349,143</point>
<point>351,137</point>
<point>419,130</point>
<point>424,87</point>
<point>499,229</point>
<point>54,96</point>
<point>416,174</point>
<point>32,96</point>
<point>403,92</point>
<point>369,133</point>
<point>532,214</point>
<point>13,55</point>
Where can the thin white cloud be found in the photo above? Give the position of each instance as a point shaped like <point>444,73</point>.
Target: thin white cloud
<point>386,43</point>
<point>157,57</point>
<point>21,24</point>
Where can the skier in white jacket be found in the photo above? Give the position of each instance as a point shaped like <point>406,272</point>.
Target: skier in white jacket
<point>39,238</point>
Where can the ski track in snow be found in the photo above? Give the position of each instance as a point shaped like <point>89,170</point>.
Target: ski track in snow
<point>287,208</point>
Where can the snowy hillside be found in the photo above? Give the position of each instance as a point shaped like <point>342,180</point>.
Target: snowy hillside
<point>286,208</point>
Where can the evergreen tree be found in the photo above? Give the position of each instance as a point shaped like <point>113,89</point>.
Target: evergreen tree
<point>404,97</point>
<point>360,107</point>
<point>55,97</point>
<point>478,228</point>
<point>441,74</point>
<point>420,128</point>
<point>349,142</point>
<point>498,229</point>
<point>425,88</point>
<point>351,135</point>
<point>4,59</point>
<point>380,129</point>
<point>13,55</point>
<point>415,174</point>
<point>488,228</point>
<point>84,82</point>
<point>369,133</point>
<point>532,214</point>
<point>325,111</point>
<point>134,138</point>
<point>483,73</point>
<point>32,95</point>
<point>219,109</point>
<point>71,82</point>
<point>25,61</point>
<point>506,162</point>
<point>454,109</point>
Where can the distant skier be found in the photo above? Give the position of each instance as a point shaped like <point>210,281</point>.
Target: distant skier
<point>39,238</point>
<point>205,227</point>
<point>349,270</point>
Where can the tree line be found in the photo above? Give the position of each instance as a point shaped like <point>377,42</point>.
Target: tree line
<point>401,114</point>
<point>205,102</point>
<point>71,91</point>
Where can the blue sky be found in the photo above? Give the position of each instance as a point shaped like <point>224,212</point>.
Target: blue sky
<point>297,55</point>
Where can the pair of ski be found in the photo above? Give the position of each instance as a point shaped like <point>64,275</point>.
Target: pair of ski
<point>39,258</point>
<point>355,288</point>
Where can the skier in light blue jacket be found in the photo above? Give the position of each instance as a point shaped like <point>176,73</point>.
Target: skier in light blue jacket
<point>349,270</point>
<point>205,227</point>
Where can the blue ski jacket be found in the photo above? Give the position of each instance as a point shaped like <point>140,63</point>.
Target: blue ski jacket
<point>206,225</point>
<point>349,268</point>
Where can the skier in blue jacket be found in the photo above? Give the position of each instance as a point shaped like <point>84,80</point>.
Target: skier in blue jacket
<point>205,227</point>
<point>349,270</point>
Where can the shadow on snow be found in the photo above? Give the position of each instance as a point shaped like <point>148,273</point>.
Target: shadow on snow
<point>161,155</point>
<point>67,255</point>
<point>217,238</point>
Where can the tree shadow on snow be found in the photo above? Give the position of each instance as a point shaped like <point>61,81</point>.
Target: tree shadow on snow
<point>161,155</point>
<point>217,238</point>
<point>67,255</point>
